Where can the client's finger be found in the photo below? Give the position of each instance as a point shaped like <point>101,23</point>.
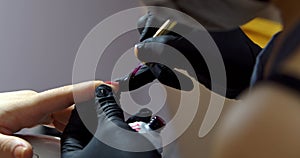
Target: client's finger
<point>60,98</point>
<point>61,118</point>
<point>14,147</point>
<point>8,96</point>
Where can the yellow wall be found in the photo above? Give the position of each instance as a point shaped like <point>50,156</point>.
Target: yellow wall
<point>261,30</point>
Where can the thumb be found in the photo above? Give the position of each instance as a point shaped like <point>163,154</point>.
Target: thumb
<point>14,147</point>
<point>171,78</point>
<point>159,50</point>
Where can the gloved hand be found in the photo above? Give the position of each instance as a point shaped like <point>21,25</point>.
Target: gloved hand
<point>144,74</point>
<point>237,50</point>
<point>78,142</point>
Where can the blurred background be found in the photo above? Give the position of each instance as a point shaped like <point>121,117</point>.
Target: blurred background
<point>40,38</point>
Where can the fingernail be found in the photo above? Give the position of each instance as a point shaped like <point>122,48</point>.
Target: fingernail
<point>137,46</point>
<point>136,51</point>
<point>112,83</point>
<point>115,85</point>
<point>19,151</point>
<point>108,82</point>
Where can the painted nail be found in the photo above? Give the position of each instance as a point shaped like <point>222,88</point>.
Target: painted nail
<point>112,83</point>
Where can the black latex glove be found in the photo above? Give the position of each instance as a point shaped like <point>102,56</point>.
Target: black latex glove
<point>144,115</point>
<point>78,142</point>
<point>144,74</point>
<point>237,50</point>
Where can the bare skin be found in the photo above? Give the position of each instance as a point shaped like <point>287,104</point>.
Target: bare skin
<point>24,109</point>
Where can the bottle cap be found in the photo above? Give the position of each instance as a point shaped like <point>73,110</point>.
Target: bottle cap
<point>157,123</point>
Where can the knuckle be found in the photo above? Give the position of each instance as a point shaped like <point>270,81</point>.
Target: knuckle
<point>29,92</point>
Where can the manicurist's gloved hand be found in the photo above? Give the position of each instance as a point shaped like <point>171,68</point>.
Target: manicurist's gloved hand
<point>144,74</point>
<point>113,137</point>
<point>237,51</point>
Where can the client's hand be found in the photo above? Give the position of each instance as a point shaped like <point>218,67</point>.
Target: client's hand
<point>23,109</point>
<point>113,137</point>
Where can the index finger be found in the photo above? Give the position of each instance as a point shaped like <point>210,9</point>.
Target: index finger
<point>60,98</point>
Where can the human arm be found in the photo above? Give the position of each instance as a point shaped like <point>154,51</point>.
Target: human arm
<point>267,124</point>
<point>24,109</point>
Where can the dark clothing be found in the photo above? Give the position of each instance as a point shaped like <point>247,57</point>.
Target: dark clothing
<point>239,55</point>
<point>275,74</point>
<point>261,62</point>
<point>288,48</point>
